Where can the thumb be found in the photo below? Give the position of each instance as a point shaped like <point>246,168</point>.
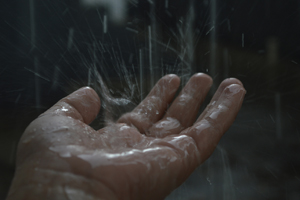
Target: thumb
<point>83,105</point>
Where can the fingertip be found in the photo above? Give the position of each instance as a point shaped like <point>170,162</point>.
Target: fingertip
<point>92,93</point>
<point>172,79</point>
<point>227,82</point>
<point>168,85</point>
<point>230,81</point>
<point>87,95</point>
<point>236,92</point>
<point>203,77</point>
<point>202,74</point>
<point>233,95</point>
<point>87,102</point>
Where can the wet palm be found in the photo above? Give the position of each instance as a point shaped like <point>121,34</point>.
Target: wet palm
<point>145,155</point>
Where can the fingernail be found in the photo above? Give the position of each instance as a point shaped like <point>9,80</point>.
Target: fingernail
<point>234,89</point>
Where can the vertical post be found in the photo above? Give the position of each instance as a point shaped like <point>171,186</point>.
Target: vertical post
<point>154,51</point>
<point>190,37</point>
<point>166,4</point>
<point>70,39</point>
<point>272,47</point>
<point>37,83</point>
<point>278,115</point>
<point>213,38</point>
<point>32,23</point>
<point>226,63</point>
<point>89,76</point>
<point>141,75</point>
<point>105,24</point>
<point>35,58</point>
<point>150,57</point>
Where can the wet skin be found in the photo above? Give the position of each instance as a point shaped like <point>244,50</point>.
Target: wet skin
<point>145,155</point>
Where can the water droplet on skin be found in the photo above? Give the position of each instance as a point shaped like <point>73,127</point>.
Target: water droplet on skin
<point>149,107</point>
<point>202,126</point>
<point>157,112</point>
<point>184,99</point>
<point>127,157</point>
<point>139,111</point>
<point>166,126</point>
<point>59,129</point>
<point>65,155</point>
<point>28,139</point>
<point>214,115</point>
<point>182,142</point>
<point>124,127</point>
<point>66,151</point>
<point>74,194</point>
<point>64,109</point>
<point>218,110</point>
<point>169,123</point>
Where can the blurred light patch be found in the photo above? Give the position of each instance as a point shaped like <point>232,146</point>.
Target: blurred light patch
<point>116,8</point>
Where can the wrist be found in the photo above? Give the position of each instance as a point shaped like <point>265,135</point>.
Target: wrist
<point>37,183</point>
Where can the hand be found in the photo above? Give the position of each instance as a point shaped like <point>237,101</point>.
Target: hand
<point>145,155</point>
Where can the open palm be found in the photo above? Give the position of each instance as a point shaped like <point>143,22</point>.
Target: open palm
<point>145,155</point>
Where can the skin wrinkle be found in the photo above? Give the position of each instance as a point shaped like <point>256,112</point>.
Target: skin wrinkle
<point>146,149</point>
<point>58,111</point>
<point>115,158</point>
<point>176,141</point>
<point>74,176</point>
<point>73,194</point>
<point>148,108</point>
<point>77,114</point>
<point>131,138</point>
<point>152,167</point>
<point>184,99</point>
<point>205,140</point>
<point>55,135</point>
<point>164,128</point>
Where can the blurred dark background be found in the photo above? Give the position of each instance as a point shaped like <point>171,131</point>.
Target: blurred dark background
<point>50,48</point>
